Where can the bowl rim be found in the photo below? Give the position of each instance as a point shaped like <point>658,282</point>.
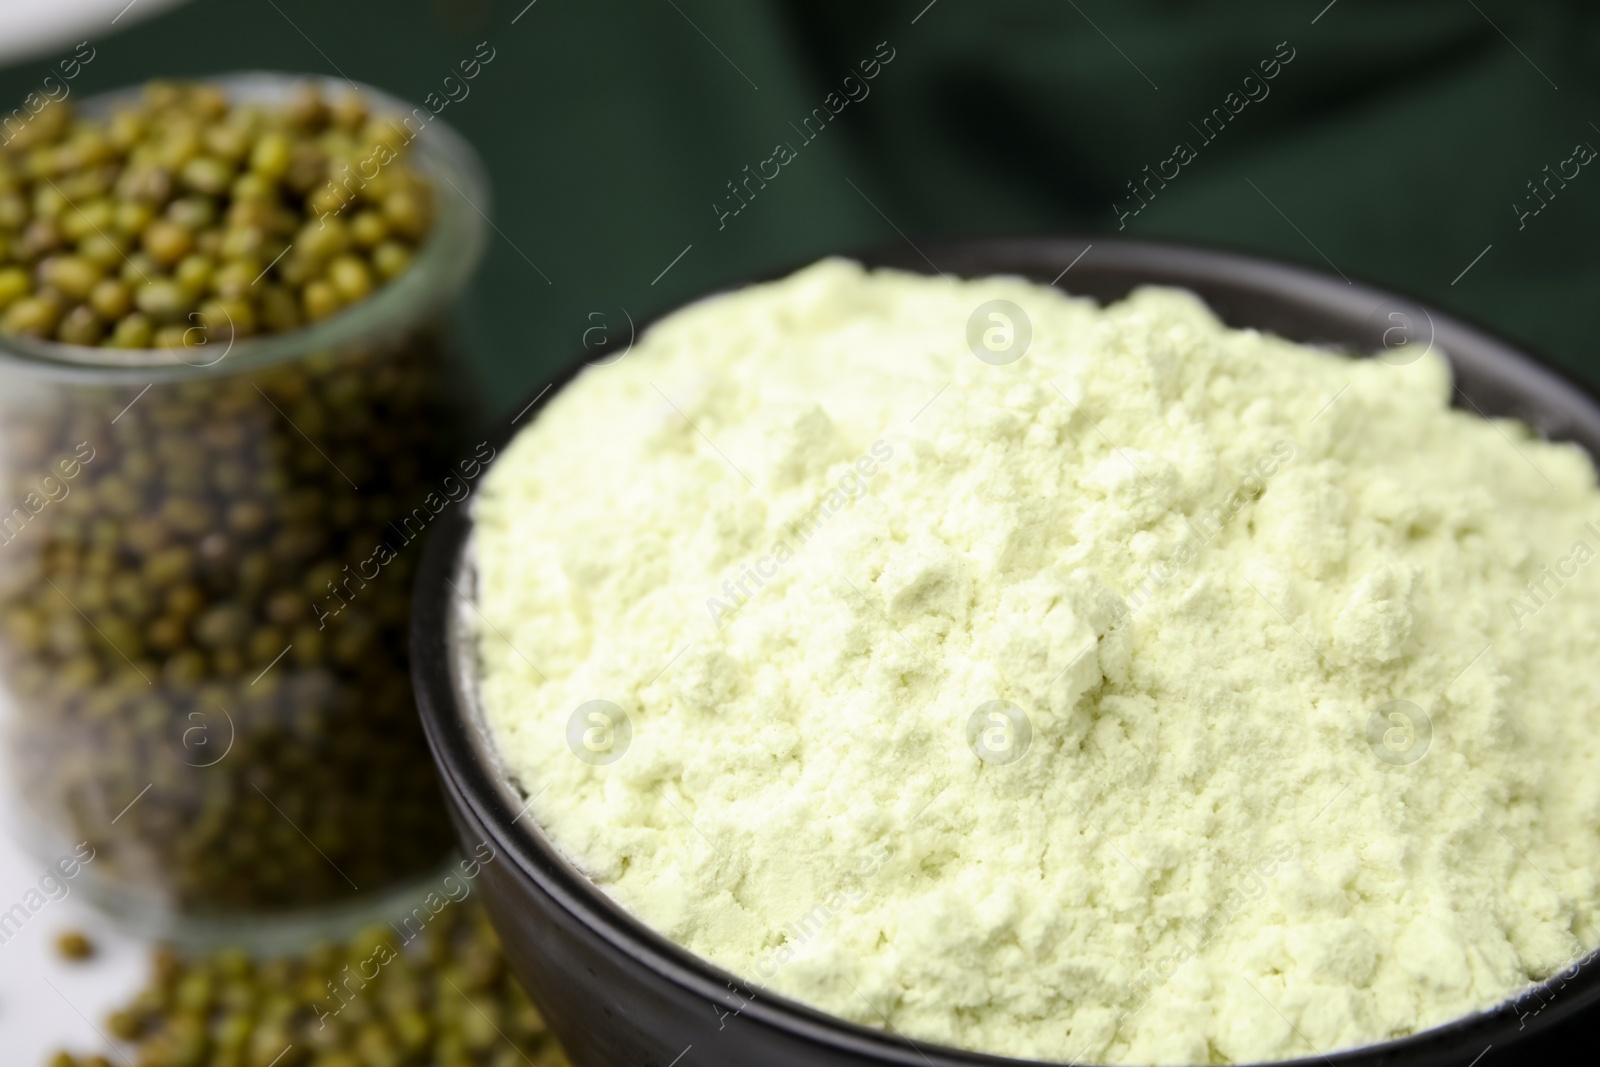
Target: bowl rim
<point>469,765</point>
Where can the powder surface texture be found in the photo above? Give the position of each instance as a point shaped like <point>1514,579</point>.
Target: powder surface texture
<point>1171,694</point>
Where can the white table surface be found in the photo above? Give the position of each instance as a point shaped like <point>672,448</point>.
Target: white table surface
<point>46,1002</point>
<point>34,28</point>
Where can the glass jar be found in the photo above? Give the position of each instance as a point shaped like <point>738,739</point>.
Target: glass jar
<point>205,564</point>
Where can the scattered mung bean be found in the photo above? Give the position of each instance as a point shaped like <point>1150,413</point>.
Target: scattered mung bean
<point>445,999</point>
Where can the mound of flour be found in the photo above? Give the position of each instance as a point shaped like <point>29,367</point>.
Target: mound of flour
<point>1168,694</point>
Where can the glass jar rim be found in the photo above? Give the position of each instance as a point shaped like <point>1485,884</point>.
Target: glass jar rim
<point>437,273</point>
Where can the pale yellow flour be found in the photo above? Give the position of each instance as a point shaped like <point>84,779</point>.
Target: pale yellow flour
<point>1309,764</point>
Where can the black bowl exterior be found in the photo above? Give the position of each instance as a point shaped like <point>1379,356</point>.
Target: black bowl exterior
<point>616,993</point>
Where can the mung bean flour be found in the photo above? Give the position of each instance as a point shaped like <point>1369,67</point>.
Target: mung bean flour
<point>1168,694</point>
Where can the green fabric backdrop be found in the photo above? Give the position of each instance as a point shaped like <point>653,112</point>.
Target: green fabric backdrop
<point>1392,145</point>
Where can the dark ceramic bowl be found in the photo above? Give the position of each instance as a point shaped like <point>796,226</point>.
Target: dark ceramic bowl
<point>616,993</point>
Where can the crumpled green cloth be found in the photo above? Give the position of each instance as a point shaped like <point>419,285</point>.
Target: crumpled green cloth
<point>1427,146</point>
